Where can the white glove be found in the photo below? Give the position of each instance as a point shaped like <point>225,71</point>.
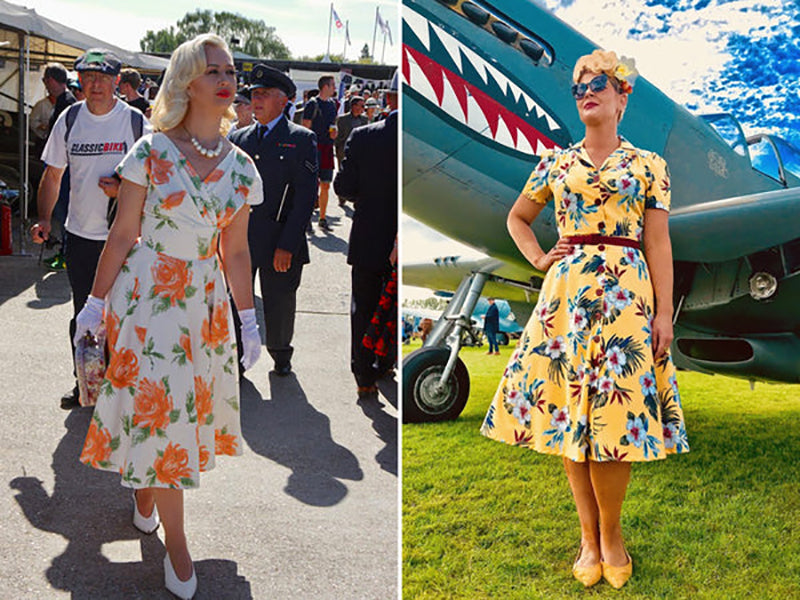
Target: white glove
<point>89,319</point>
<point>251,339</point>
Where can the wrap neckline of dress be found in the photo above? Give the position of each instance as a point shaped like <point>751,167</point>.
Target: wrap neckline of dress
<point>190,166</point>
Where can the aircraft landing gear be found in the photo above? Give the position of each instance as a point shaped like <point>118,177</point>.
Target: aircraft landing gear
<point>425,397</point>
<point>435,379</point>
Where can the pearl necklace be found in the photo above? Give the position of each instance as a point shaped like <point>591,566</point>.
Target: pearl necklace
<point>205,151</point>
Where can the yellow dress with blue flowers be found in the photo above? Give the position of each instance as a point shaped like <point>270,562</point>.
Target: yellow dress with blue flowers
<point>583,382</point>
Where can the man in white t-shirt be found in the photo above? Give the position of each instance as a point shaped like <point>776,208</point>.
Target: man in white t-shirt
<point>91,138</point>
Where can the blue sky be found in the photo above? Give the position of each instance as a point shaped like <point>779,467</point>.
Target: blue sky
<point>301,24</point>
<point>737,56</point>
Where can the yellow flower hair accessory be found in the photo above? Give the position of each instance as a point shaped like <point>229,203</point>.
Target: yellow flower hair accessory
<point>625,72</point>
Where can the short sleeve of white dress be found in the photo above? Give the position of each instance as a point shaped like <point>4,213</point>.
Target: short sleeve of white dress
<point>133,167</point>
<point>255,193</point>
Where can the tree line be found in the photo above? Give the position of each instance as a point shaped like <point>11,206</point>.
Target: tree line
<point>251,36</point>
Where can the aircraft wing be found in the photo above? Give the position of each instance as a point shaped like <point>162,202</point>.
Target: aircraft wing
<point>421,313</point>
<point>520,287</point>
<point>727,229</point>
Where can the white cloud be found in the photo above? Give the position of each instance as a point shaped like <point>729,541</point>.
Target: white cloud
<point>420,243</point>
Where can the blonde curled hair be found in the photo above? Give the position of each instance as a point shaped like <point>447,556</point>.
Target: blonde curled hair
<point>622,71</point>
<point>188,62</point>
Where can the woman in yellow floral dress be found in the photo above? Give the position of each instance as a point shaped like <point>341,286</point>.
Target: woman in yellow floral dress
<point>170,398</point>
<point>592,379</point>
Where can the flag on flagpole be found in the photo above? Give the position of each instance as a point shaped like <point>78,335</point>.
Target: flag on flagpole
<point>336,19</point>
<point>384,26</point>
<point>347,34</point>
<point>381,22</point>
<point>388,32</point>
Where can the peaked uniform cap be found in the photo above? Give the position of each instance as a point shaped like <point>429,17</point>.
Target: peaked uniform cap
<point>264,76</point>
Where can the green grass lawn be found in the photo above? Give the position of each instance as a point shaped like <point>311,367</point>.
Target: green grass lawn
<point>486,520</point>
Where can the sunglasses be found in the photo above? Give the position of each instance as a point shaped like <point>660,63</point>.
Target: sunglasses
<point>598,84</point>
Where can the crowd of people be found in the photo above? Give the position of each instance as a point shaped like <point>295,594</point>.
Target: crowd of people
<point>170,209</point>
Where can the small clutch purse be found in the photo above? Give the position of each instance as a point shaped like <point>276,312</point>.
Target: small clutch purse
<point>90,365</point>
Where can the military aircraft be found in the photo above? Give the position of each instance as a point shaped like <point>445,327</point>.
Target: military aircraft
<point>486,87</point>
<point>474,334</point>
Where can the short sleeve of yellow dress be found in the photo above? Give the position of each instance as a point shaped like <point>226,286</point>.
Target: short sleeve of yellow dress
<point>537,187</point>
<point>583,382</point>
<point>658,193</point>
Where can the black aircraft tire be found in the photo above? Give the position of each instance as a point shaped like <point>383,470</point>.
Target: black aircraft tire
<point>502,338</point>
<point>422,402</point>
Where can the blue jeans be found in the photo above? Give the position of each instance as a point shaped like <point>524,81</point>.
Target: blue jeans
<point>491,336</point>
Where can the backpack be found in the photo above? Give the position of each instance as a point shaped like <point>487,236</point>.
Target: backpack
<point>137,122</point>
<point>137,126</point>
<point>317,110</point>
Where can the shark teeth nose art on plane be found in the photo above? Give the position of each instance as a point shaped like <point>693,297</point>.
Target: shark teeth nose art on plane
<point>467,103</point>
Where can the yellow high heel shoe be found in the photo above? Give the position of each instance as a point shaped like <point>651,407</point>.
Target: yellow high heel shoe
<point>588,576</point>
<point>617,576</point>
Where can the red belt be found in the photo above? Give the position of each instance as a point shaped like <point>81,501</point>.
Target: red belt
<point>595,239</point>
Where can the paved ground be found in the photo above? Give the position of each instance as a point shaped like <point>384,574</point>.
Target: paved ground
<point>309,511</point>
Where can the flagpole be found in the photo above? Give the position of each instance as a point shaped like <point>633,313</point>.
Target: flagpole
<point>330,22</point>
<point>383,51</point>
<point>374,32</point>
<point>346,33</point>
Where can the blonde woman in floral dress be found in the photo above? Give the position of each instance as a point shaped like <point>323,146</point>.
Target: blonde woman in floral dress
<point>170,399</point>
<point>592,379</point>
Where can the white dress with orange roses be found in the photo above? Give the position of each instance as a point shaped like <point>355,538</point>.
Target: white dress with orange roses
<point>170,398</point>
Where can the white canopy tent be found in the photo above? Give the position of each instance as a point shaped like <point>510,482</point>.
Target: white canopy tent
<point>28,41</point>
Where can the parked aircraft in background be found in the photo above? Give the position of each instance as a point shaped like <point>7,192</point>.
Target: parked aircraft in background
<point>509,328</point>
<point>486,87</point>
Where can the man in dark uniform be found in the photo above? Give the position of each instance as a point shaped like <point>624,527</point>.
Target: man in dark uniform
<point>368,177</point>
<point>491,325</point>
<point>286,156</point>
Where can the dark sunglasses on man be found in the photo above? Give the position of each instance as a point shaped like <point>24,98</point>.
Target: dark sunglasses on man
<point>597,84</point>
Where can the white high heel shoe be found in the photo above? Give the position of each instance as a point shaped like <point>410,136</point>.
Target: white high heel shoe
<point>144,524</point>
<point>182,589</point>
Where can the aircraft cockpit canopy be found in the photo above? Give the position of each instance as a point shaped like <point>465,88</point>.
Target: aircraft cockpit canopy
<point>771,155</point>
<point>775,157</point>
<point>729,130</point>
